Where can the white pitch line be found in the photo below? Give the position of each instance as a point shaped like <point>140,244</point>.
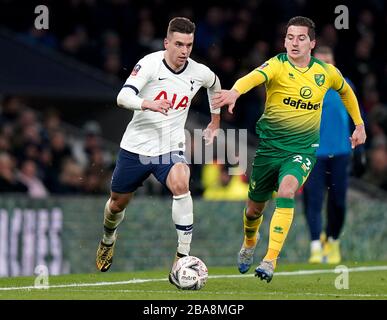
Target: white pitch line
<point>95,284</point>
<point>369,295</point>
<point>308,272</point>
<point>285,273</point>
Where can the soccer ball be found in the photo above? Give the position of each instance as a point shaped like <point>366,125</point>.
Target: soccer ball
<point>189,273</point>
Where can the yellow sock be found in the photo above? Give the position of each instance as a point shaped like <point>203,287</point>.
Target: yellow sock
<point>279,227</point>
<point>250,228</point>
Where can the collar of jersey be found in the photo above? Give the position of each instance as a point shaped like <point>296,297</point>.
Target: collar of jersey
<point>173,71</point>
<point>295,67</point>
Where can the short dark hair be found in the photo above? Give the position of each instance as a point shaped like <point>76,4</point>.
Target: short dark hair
<point>303,22</point>
<point>323,50</point>
<point>182,25</point>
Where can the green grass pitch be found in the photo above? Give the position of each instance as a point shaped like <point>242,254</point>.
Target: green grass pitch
<point>291,281</point>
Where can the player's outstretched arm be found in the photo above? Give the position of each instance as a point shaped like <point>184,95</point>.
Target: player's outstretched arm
<point>225,98</point>
<point>241,86</point>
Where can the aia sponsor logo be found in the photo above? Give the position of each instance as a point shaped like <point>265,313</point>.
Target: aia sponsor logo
<point>183,102</point>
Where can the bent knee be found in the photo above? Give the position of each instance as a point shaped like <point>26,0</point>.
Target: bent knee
<point>180,188</point>
<point>254,212</point>
<point>290,194</point>
<point>118,204</point>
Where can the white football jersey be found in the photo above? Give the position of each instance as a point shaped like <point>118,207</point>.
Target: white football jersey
<point>152,133</point>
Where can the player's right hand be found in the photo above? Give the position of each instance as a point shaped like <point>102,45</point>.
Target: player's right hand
<point>225,97</point>
<point>359,136</point>
<point>161,106</point>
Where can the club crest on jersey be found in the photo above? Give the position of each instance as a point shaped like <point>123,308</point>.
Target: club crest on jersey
<point>135,70</point>
<point>320,79</point>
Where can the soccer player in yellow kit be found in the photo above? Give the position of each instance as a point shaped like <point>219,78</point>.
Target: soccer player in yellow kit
<point>288,130</point>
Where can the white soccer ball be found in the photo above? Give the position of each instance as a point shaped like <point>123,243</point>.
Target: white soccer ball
<point>189,273</point>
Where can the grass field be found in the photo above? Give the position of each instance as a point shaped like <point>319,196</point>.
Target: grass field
<point>292,281</point>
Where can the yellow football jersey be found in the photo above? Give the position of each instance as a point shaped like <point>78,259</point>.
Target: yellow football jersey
<point>294,98</point>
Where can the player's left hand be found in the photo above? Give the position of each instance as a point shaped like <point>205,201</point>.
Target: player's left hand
<point>210,133</point>
<point>359,136</point>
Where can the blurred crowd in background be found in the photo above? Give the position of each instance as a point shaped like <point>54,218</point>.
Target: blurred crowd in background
<point>232,38</point>
<point>38,157</point>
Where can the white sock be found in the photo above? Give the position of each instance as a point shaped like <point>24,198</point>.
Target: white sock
<point>110,224</point>
<point>315,245</point>
<point>182,216</point>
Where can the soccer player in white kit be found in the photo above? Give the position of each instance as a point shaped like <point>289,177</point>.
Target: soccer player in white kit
<point>159,90</point>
